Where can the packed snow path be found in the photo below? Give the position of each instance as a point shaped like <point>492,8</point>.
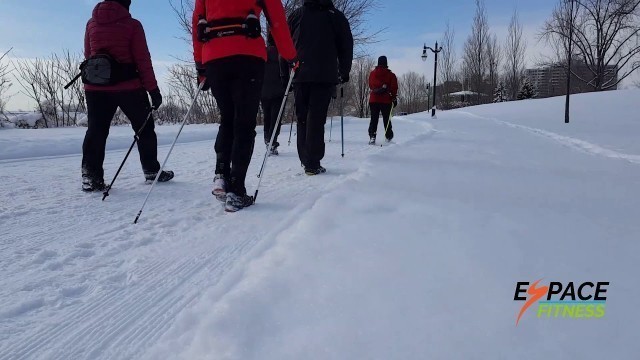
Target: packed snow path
<point>80,281</point>
<point>408,251</point>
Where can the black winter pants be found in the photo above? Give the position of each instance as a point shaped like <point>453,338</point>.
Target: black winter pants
<point>376,109</point>
<point>236,83</point>
<point>101,107</point>
<point>312,105</point>
<point>271,109</point>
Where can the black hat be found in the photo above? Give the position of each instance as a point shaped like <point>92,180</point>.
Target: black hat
<point>382,62</point>
<point>125,3</point>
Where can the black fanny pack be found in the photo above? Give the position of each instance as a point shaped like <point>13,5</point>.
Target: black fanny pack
<point>249,27</point>
<point>104,70</point>
<point>380,91</point>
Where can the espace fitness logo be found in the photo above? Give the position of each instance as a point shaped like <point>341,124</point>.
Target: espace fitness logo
<point>573,301</point>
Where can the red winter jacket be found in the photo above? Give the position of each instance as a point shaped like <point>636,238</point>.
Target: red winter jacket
<point>112,29</point>
<point>379,77</point>
<point>240,45</point>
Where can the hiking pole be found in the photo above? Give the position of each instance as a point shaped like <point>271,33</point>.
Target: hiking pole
<point>136,138</point>
<point>155,181</point>
<point>273,136</point>
<point>293,117</point>
<point>331,129</point>
<point>342,116</point>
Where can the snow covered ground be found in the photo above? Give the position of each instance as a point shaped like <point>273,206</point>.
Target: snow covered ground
<point>408,251</point>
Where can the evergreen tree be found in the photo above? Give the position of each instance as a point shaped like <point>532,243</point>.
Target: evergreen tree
<point>527,91</point>
<point>500,94</point>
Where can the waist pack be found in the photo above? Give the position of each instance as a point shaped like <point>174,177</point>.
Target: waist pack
<point>104,70</point>
<point>249,27</point>
<point>380,91</point>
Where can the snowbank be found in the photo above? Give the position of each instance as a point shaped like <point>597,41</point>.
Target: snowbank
<point>32,143</point>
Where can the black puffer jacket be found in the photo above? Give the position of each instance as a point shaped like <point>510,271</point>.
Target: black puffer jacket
<point>324,42</point>
<point>273,86</point>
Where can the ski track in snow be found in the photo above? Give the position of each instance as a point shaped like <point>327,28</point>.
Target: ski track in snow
<point>576,144</point>
<point>99,287</point>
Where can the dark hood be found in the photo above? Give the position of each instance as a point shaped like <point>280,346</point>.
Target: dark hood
<point>108,12</point>
<point>327,4</point>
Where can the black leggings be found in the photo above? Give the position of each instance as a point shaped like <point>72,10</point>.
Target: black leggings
<point>236,83</point>
<point>312,104</point>
<point>271,109</point>
<point>101,107</point>
<point>376,109</point>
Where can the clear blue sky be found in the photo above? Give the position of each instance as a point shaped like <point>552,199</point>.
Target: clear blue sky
<point>38,27</point>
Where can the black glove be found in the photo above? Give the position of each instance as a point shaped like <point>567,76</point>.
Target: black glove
<point>344,78</point>
<point>156,98</point>
<point>395,102</point>
<point>202,76</point>
<point>334,93</point>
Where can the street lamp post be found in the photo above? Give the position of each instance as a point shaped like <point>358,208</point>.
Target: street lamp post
<point>436,51</point>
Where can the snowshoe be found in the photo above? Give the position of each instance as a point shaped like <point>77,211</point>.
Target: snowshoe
<point>235,203</point>
<point>90,184</point>
<point>164,176</point>
<point>220,188</point>
<point>315,171</point>
<point>372,140</point>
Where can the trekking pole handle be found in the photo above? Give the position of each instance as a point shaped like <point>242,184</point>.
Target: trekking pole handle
<point>72,81</point>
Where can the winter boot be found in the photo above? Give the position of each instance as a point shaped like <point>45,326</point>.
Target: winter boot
<point>220,188</point>
<point>315,171</point>
<point>235,203</point>
<point>90,184</point>
<point>164,176</point>
<point>274,151</point>
<point>372,140</point>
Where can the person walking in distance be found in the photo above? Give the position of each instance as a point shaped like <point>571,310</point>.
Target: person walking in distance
<point>272,95</point>
<point>230,56</point>
<point>114,40</point>
<point>384,91</point>
<point>323,39</point>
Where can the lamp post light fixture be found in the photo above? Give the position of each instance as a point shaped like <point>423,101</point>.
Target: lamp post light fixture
<point>436,51</point>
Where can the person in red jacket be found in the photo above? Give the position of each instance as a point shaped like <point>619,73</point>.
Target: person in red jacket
<point>112,32</point>
<point>384,91</point>
<point>230,56</point>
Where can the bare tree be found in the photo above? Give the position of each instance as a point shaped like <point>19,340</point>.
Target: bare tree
<point>448,63</point>
<point>362,68</point>
<point>475,51</point>
<point>412,94</point>
<point>514,52</point>
<point>606,38</point>
<point>43,80</point>
<point>184,85</point>
<point>494,59</point>
<point>5,84</point>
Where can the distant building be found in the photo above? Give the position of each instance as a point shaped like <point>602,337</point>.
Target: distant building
<point>552,80</point>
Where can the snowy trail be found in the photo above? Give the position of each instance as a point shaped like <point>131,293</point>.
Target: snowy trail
<point>572,142</point>
<point>406,251</point>
<point>478,206</point>
<point>98,287</point>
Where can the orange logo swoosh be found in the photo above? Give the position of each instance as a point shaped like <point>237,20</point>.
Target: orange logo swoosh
<point>536,294</point>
